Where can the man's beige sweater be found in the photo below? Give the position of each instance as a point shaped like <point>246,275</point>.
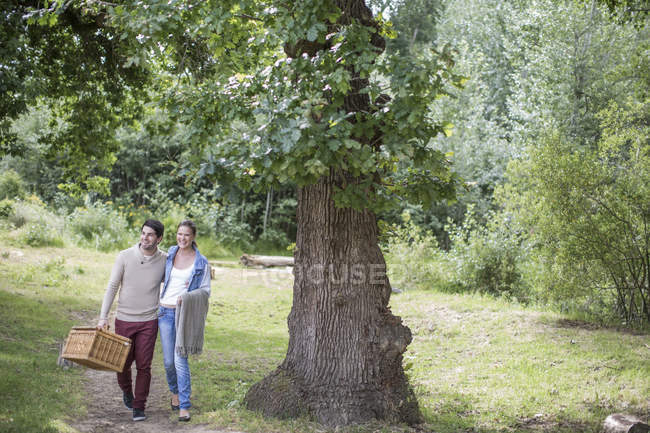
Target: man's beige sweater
<point>138,278</point>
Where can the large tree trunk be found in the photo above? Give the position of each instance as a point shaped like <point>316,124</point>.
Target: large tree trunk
<point>344,361</point>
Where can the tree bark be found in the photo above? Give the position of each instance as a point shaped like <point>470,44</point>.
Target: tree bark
<point>344,361</point>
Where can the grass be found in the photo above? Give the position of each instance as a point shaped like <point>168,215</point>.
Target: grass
<point>503,368</point>
<point>41,297</point>
<point>476,364</point>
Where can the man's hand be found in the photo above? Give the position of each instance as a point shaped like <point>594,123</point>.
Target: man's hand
<point>102,324</point>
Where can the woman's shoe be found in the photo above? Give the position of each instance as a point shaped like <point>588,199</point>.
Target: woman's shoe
<point>184,418</point>
<point>174,406</point>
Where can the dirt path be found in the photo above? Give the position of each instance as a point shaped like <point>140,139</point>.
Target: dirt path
<point>106,411</point>
<point>107,414</point>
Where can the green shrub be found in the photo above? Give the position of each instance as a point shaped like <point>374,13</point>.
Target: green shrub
<point>212,249</point>
<point>272,240</point>
<point>40,235</point>
<point>487,258</point>
<point>31,210</point>
<point>588,209</point>
<point>37,226</point>
<point>99,226</point>
<point>11,185</point>
<point>204,214</point>
<point>232,232</point>
<point>6,208</point>
<point>413,257</point>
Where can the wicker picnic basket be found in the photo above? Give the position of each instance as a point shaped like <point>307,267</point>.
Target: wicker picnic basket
<point>96,348</point>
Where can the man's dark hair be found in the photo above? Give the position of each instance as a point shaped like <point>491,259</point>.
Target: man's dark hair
<point>156,225</point>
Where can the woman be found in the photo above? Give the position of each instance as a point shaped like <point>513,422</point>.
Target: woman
<point>181,317</point>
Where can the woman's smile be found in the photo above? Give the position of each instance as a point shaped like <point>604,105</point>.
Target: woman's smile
<point>184,237</point>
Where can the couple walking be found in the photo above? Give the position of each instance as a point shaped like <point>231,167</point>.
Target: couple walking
<point>177,309</point>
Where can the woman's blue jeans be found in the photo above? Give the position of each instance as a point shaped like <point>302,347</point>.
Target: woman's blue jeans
<point>177,368</point>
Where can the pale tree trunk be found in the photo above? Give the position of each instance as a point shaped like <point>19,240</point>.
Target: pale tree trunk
<point>269,205</point>
<point>344,361</point>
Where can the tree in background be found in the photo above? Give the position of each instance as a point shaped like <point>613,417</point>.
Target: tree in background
<point>413,21</point>
<point>69,59</point>
<point>635,11</point>
<point>479,136</point>
<point>580,113</point>
<point>41,174</point>
<point>590,211</point>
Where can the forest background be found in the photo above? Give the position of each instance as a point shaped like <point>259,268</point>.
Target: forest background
<point>548,131</point>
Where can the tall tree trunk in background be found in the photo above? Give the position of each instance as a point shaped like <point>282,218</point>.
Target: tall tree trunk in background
<point>269,205</point>
<point>243,206</point>
<point>344,361</point>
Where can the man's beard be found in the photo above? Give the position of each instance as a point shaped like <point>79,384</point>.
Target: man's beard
<point>151,247</point>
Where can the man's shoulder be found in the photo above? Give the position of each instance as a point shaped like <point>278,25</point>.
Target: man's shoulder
<point>130,250</point>
<point>127,252</point>
<point>135,250</point>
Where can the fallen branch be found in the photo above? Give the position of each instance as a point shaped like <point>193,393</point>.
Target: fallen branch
<point>265,261</point>
<point>624,423</point>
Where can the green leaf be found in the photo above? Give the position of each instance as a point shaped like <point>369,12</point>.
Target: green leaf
<point>312,34</point>
<point>448,129</point>
<point>352,144</point>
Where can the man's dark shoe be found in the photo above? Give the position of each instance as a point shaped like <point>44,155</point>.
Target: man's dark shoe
<point>138,415</point>
<point>127,397</point>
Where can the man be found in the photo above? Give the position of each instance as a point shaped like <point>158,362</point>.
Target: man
<point>137,273</point>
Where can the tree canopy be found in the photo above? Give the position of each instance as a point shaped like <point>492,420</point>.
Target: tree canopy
<point>233,73</point>
<point>69,57</point>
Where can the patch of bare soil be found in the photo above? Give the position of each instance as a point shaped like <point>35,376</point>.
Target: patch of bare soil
<point>107,413</point>
<point>578,324</point>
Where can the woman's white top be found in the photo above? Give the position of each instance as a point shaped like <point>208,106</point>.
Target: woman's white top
<point>179,280</point>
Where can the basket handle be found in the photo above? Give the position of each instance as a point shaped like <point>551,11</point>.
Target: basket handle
<point>106,327</point>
